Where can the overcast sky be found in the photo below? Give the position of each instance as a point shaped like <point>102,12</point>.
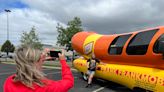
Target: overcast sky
<point>101,16</point>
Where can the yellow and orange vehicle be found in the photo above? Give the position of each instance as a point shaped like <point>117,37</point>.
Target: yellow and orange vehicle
<point>135,59</point>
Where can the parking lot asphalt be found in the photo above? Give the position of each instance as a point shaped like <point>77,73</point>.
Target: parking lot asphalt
<point>79,85</point>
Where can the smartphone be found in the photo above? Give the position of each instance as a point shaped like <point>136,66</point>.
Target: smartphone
<point>54,53</point>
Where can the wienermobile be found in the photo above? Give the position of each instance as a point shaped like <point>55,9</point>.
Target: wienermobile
<point>135,59</point>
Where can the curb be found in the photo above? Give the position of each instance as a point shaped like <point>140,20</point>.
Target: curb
<point>50,67</point>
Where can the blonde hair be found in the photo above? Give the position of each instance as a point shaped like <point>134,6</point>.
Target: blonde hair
<point>27,71</point>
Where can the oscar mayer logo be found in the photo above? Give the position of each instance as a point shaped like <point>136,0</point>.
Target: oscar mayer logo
<point>88,48</point>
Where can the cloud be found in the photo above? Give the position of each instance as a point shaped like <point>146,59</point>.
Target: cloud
<point>102,16</point>
<point>105,16</point>
<point>21,20</point>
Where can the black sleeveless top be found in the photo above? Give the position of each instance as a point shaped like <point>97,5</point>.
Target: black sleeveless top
<point>92,65</point>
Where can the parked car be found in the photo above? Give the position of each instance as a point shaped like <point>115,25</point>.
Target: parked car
<point>68,58</point>
<point>4,55</point>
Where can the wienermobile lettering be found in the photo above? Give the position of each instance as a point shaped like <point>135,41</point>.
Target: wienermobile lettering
<point>135,59</point>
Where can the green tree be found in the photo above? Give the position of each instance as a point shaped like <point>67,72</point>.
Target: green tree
<point>65,34</point>
<point>31,39</point>
<point>7,47</point>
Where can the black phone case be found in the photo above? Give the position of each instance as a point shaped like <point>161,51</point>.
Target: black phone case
<point>54,53</point>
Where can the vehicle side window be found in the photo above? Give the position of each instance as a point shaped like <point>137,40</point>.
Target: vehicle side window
<point>117,44</point>
<point>156,45</point>
<point>140,42</point>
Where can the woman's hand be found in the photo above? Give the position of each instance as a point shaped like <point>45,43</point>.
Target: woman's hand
<point>43,55</point>
<point>61,55</point>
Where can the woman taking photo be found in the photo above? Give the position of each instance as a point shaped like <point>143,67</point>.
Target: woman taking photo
<point>30,78</point>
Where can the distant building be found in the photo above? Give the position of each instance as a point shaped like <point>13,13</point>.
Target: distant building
<point>48,46</point>
<point>52,47</point>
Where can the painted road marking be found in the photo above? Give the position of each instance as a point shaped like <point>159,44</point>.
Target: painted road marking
<point>50,67</point>
<point>47,69</point>
<point>57,68</point>
<point>8,63</point>
<point>99,89</point>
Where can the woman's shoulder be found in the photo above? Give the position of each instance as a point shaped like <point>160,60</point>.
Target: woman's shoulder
<point>9,78</point>
<point>8,81</point>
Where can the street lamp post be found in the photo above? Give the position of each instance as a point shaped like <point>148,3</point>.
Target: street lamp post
<point>7,11</point>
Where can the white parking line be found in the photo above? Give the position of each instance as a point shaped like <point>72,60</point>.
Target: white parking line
<point>99,89</point>
<point>50,67</point>
<point>47,69</point>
